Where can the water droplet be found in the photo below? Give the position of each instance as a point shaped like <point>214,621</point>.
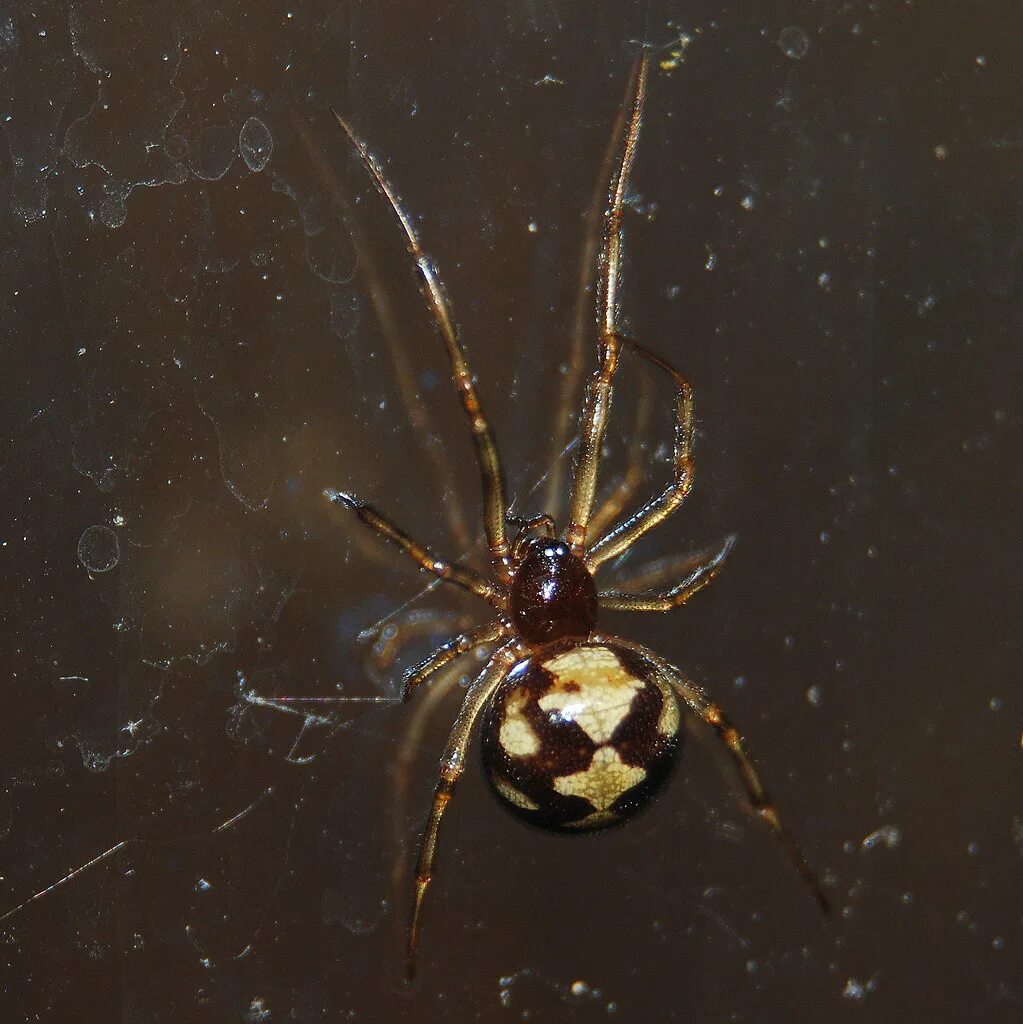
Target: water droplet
<point>794,42</point>
<point>113,211</point>
<point>98,549</point>
<point>255,143</point>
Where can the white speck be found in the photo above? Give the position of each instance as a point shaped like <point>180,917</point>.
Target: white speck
<point>747,203</point>
<point>854,990</point>
<point>995,704</point>
<point>972,849</point>
<point>824,280</point>
<point>871,551</point>
<point>813,695</point>
<point>532,227</point>
<point>980,60</point>
<point>712,261</point>
<point>258,1010</point>
<point>888,835</point>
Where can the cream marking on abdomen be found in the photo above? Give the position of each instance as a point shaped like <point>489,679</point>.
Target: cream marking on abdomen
<point>516,734</point>
<point>606,779</point>
<point>591,688</point>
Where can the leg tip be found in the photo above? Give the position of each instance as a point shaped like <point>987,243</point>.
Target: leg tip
<point>340,498</point>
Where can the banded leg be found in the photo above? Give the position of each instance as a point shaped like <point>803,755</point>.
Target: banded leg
<point>763,805</point>
<point>598,394</point>
<point>700,704</point>
<point>452,764</point>
<point>460,575</point>
<point>494,501</point>
<point>626,533</point>
<point>581,319</point>
<point>695,580</point>
<point>439,689</point>
<point>448,652</point>
<point>611,508</point>
<point>388,321</point>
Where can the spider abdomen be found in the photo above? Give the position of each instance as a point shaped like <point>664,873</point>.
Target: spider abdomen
<point>580,736</point>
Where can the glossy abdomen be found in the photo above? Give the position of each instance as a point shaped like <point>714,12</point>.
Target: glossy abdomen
<point>580,736</point>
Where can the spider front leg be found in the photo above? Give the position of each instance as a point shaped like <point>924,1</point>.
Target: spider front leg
<point>598,394</point>
<point>451,572</point>
<point>452,764</point>
<point>491,473</point>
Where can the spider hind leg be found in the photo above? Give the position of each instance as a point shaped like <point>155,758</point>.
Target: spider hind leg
<point>452,764</point>
<point>695,700</point>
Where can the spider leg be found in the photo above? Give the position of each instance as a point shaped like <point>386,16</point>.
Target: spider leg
<point>397,346</point>
<point>439,689</point>
<point>581,320</point>
<point>452,649</point>
<point>598,394</point>
<point>696,579</point>
<point>452,572</point>
<point>763,806</point>
<point>654,512</point>
<point>611,508</point>
<point>452,764</point>
<point>494,502</point>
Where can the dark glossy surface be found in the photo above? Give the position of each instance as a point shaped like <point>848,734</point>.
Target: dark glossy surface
<point>824,234</point>
<point>552,594</point>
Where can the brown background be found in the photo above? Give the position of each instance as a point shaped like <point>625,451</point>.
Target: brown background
<point>192,352</point>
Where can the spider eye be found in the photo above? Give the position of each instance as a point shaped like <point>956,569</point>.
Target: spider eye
<point>552,595</point>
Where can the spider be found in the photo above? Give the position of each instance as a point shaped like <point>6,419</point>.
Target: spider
<point>579,728</point>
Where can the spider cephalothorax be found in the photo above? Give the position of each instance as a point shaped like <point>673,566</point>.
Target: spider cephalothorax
<point>552,593</point>
<point>580,728</point>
